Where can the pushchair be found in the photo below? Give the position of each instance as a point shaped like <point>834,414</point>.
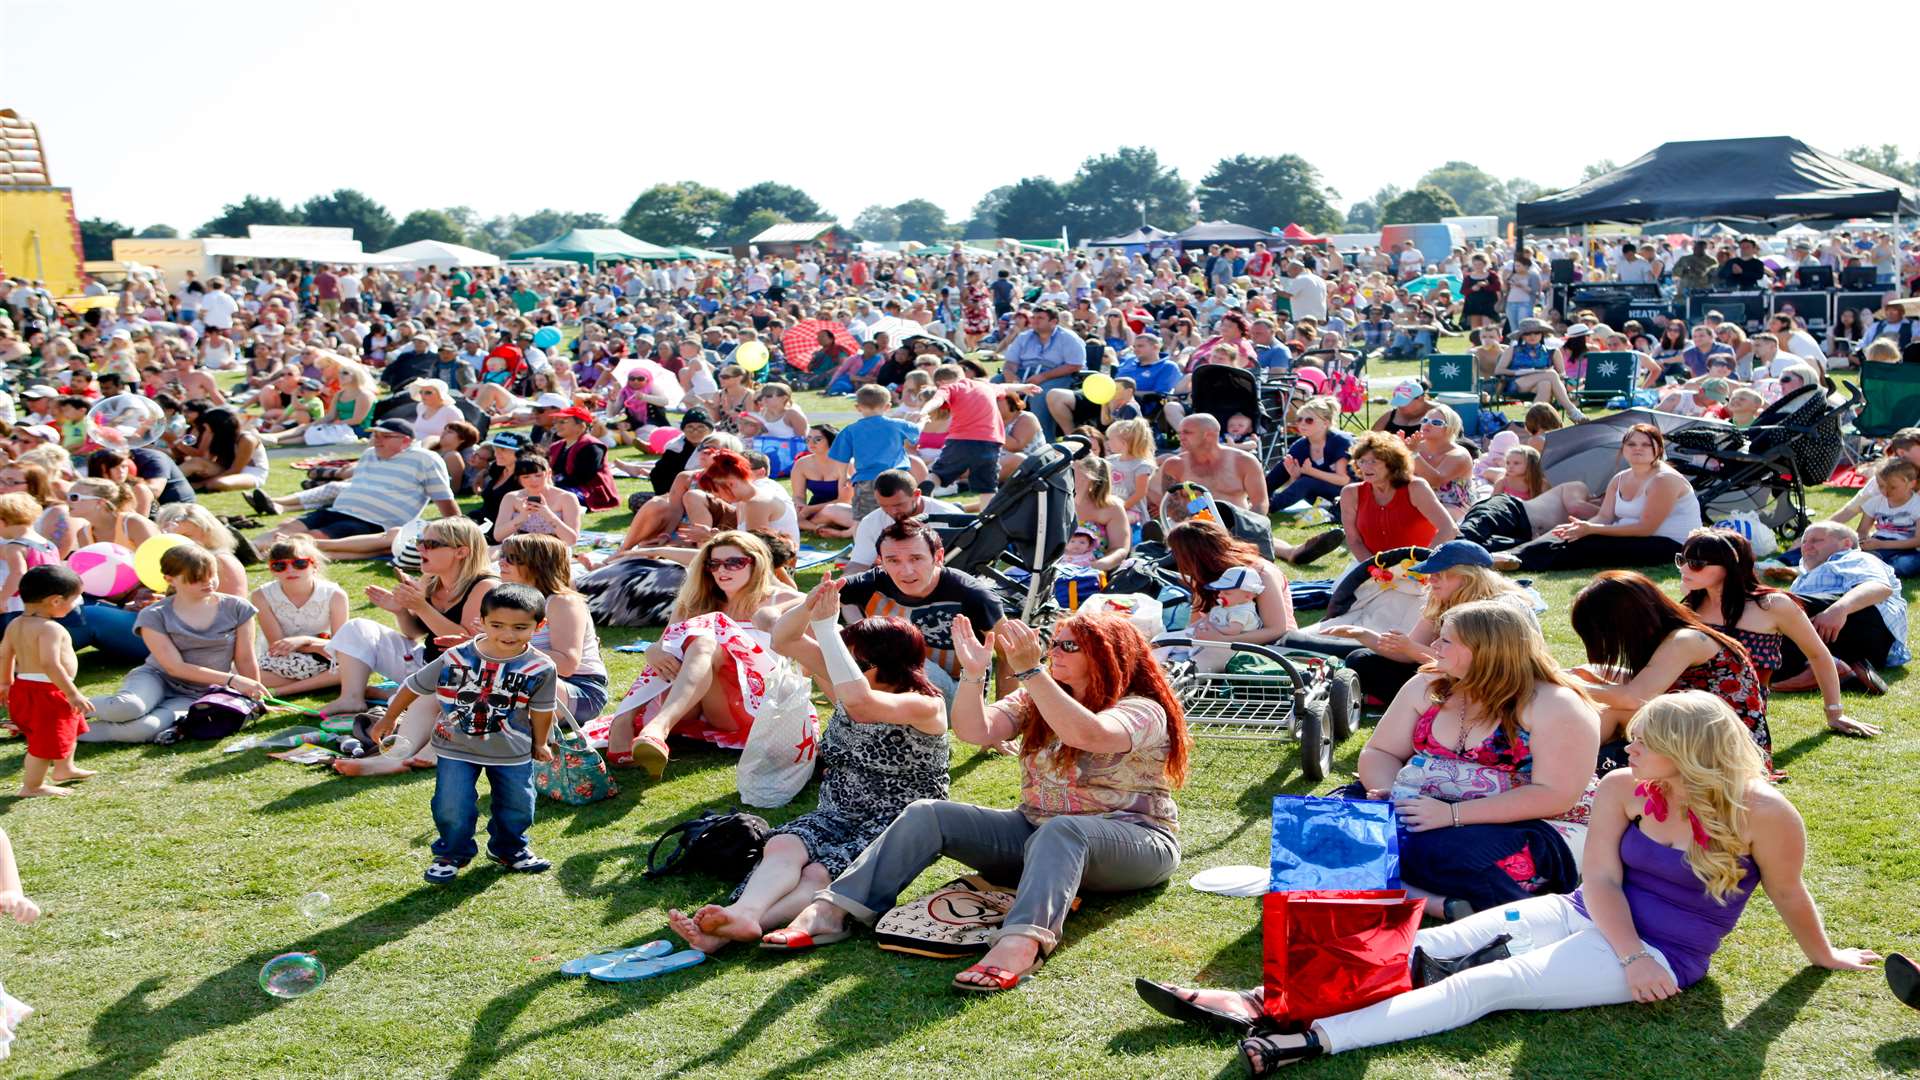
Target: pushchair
<point>1766,468</point>
<point>1221,391</point>
<point>1025,524</point>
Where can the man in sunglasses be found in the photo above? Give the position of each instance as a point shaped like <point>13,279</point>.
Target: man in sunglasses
<point>389,486</point>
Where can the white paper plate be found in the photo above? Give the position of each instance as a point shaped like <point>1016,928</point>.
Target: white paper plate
<point>1233,880</point>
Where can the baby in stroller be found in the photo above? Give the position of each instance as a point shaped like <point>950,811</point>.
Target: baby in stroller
<point>1237,612</point>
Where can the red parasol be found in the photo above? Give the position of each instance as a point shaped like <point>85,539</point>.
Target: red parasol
<point>801,342</point>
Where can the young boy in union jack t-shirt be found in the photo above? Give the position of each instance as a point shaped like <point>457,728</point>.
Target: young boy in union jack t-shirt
<point>496,698</point>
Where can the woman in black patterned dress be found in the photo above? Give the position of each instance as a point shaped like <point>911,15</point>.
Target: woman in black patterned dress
<point>884,747</point>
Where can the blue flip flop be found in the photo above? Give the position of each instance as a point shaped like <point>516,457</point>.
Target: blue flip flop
<point>633,970</point>
<point>587,965</point>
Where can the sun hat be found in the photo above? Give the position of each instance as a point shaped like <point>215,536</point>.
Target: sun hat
<point>551,400</point>
<point>437,385</point>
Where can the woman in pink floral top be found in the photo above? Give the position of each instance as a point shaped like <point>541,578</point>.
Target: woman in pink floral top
<point>1103,744</point>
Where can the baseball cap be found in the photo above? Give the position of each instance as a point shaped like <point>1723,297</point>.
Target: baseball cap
<point>551,400</point>
<point>1716,389</point>
<point>1244,578</point>
<point>1406,392</point>
<point>575,412</point>
<point>395,427</point>
<point>42,431</point>
<point>39,392</point>
<point>696,415</point>
<point>506,440</point>
<point>1451,554</point>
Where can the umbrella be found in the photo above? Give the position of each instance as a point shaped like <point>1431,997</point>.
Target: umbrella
<point>664,381</point>
<point>894,327</point>
<point>801,342</point>
<point>1426,283</point>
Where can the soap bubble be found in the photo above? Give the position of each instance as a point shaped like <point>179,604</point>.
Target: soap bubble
<point>314,905</point>
<point>292,975</point>
<point>396,747</point>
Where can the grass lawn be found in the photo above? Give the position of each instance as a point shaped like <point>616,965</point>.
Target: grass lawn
<point>169,878</point>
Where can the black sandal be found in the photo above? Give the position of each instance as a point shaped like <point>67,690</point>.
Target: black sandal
<point>1169,1002</point>
<point>1272,1055</point>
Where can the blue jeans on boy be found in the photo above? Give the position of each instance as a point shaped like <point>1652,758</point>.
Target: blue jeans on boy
<point>456,809</point>
<point>1905,563</point>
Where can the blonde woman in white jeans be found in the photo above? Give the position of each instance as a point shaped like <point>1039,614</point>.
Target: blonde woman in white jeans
<point>1679,839</point>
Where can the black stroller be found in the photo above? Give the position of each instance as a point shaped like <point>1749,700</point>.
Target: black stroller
<point>1026,524</point>
<point>1766,468</point>
<point>1221,391</point>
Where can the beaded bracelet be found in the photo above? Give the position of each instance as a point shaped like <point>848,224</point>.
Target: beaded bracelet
<point>1023,676</point>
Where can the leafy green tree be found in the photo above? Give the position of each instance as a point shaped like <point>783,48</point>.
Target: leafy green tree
<point>758,222</point>
<point>1423,203</point>
<point>1113,192</point>
<point>97,236</point>
<point>1267,192</point>
<point>922,220</point>
<point>1474,190</point>
<point>252,210</point>
<point>1363,216</point>
<point>877,223</point>
<point>789,203</point>
<point>546,225</point>
<point>428,225</point>
<point>1033,209</point>
<point>349,209</point>
<point>677,213</point>
<point>159,232</point>
<point>1885,159</point>
<point>984,222</point>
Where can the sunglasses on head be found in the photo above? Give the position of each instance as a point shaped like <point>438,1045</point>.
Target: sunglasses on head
<point>731,564</point>
<point>281,565</point>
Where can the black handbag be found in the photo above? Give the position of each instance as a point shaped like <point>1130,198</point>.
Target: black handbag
<point>726,846</point>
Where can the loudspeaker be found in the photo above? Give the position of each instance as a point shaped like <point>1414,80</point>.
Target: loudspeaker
<point>1859,278</point>
<point>1814,277</point>
<point>1561,271</point>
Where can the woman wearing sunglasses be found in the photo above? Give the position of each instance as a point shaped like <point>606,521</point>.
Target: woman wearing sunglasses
<point>706,677</point>
<point>1443,463</point>
<point>1103,746</point>
<point>300,611</point>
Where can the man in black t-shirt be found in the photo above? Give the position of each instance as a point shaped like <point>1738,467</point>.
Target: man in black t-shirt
<point>1002,290</point>
<point>912,582</point>
<point>1745,271</point>
<point>159,472</point>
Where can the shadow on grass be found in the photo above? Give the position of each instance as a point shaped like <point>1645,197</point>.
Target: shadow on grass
<point>134,1037</point>
<point>1901,1057</point>
<point>1808,743</point>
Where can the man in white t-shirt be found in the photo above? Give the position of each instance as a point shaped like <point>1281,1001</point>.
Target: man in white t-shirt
<point>899,500</point>
<point>1412,260</point>
<point>218,307</point>
<point>1308,291</point>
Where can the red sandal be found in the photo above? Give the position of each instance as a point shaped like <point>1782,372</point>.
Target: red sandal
<point>1001,978</point>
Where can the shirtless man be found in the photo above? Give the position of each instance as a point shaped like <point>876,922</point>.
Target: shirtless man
<point>1231,474</point>
<point>193,383</point>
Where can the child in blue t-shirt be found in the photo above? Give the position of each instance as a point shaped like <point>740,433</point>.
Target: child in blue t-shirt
<point>873,444</point>
<point>496,699</point>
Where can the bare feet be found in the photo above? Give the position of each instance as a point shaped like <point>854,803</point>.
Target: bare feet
<point>728,922</point>
<point>43,789</point>
<point>691,933</point>
<point>61,776</point>
<point>343,706</point>
<point>370,766</point>
<point>819,918</point>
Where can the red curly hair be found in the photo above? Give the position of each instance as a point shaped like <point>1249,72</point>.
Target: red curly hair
<point>1119,664</point>
<point>722,467</point>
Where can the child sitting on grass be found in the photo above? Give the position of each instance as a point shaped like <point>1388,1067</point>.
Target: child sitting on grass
<point>496,698</point>
<point>37,666</point>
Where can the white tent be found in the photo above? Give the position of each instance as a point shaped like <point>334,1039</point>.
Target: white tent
<point>424,253</point>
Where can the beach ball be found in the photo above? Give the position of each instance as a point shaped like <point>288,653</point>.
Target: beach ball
<point>1099,388</point>
<point>546,337</point>
<point>146,559</point>
<point>751,356</point>
<point>105,569</point>
<point>658,439</point>
<point>292,975</point>
<point>124,421</point>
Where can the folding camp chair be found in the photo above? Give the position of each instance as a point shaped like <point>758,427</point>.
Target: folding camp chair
<point>1893,399</point>
<point>1451,373</point>
<point>1609,375</point>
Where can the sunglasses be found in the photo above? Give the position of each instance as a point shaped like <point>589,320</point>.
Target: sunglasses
<point>432,545</point>
<point>1682,562</point>
<point>1065,645</point>
<point>1433,421</point>
<point>731,564</point>
<point>75,496</point>
<point>282,565</point>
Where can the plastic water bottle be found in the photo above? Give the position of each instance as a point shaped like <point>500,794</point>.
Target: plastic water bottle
<point>1406,782</point>
<point>1520,936</point>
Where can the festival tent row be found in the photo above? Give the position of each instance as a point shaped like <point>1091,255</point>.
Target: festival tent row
<point>1775,179</point>
<point>593,246</point>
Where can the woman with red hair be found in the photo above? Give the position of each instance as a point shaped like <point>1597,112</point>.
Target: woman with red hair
<point>1103,745</point>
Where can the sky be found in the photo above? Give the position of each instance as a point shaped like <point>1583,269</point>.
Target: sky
<point>162,112</point>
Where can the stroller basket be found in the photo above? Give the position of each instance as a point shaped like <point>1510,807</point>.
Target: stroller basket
<point>1294,701</point>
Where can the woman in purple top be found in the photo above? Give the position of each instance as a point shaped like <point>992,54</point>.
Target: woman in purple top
<point>1677,842</point>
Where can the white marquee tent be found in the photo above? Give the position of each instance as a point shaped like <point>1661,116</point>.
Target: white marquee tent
<point>424,253</point>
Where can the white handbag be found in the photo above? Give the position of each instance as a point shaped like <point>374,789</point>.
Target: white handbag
<point>784,744</point>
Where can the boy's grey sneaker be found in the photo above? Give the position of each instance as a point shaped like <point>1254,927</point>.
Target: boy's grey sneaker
<point>526,862</point>
<point>441,871</point>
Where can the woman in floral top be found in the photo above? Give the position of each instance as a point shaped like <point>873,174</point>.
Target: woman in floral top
<point>1103,745</point>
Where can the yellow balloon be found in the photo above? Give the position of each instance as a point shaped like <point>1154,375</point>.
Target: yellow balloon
<point>146,559</point>
<point>751,356</point>
<point>1098,388</point>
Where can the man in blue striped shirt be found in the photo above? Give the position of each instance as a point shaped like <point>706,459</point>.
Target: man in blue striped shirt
<point>390,484</point>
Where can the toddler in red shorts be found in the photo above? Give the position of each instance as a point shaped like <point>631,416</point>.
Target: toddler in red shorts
<point>37,666</point>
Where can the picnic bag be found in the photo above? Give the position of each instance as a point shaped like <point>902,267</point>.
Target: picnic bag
<point>577,775</point>
<point>1073,585</point>
<point>1330,951</point>
<point>1333,843</point>
<point>784,743</point>
<point>219,713</point>
<point>726,846</point>
<point>955,920</point>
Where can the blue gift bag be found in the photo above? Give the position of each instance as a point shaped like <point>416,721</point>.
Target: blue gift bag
<point>1330,843</point>
<point>780,452</point>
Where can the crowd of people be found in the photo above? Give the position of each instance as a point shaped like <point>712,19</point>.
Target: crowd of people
<point>1630,811</point>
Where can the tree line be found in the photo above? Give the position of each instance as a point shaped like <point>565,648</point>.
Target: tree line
<point>1109,194</point>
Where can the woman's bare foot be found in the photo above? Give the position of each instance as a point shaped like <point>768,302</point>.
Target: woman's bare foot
<point>60,776</point>
<point>728,923</point>
<point>691,933</point>
<point>818,918</point>
<point>43,789</point>
<point>343,706</point>
<point>370,766</point>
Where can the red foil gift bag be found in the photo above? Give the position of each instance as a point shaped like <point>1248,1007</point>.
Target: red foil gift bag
<point>1331,951</point>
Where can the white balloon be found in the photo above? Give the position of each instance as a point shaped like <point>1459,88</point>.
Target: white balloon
<point>125,421</point>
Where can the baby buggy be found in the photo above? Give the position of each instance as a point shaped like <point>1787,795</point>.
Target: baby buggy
<point>1221,391</point>
<point>1024,526</point>
<point>1765,468</point>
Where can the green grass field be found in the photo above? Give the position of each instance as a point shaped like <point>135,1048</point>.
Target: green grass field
<point>169,878</point>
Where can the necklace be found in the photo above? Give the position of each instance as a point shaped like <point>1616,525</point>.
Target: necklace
<point>1466,728</point>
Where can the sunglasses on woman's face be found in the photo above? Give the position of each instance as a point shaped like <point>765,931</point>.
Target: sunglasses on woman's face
<point>1433,421</point>
<point>1684,562</point>
<point>1066,645</point>
<point>731,564</point>
<point>432,545</point>
<point>281,566</point>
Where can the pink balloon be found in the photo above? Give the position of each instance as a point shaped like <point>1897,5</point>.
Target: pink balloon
<point>657,442</point>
